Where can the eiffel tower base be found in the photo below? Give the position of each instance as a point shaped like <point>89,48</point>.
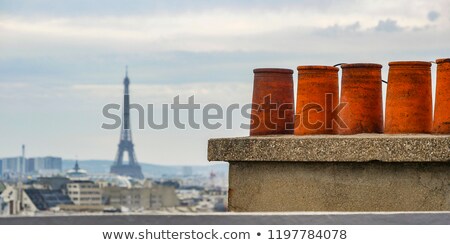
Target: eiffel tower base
<point>133,171</point>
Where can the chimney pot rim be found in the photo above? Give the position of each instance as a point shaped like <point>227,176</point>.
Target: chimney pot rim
<point>273,70</point>
<point>442,60</point>
<point>317,67</point>
<point>361,65</point>
<point>410,63</point>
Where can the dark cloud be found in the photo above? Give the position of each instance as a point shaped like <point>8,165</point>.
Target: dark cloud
<point>388,25</point>
<point>433,15</point>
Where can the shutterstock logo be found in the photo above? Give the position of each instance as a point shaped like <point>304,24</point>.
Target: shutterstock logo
<point>215,116</point>
<point>330,111</point>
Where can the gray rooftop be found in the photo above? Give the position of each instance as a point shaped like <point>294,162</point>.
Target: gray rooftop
<point>45,199</point>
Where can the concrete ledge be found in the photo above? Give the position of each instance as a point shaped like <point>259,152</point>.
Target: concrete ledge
<point>367,172</point>
<point>441,218</point>
<point>332,148</point>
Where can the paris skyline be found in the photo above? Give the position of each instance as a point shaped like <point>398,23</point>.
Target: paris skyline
<point>61,63</point>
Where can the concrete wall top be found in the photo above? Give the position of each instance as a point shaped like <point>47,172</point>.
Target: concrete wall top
<point>332,148</point>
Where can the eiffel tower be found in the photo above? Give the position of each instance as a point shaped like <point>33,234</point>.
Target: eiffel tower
<point>132,169</point>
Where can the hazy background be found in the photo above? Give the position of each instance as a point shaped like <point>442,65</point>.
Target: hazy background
<point>62,61</point>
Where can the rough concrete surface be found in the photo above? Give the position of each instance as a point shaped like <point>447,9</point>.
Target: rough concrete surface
<point>332,148</point>
<point>343,186</point>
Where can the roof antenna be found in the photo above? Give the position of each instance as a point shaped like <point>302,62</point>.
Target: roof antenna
<point>126,70</point>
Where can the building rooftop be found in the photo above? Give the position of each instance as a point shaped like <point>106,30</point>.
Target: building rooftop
<point>82,181</point>
<point>45,199</point>
<point>52,183</point>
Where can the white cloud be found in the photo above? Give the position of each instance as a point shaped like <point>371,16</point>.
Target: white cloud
<point>214,29</point>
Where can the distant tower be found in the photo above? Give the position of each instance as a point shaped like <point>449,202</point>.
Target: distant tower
<point>131,169</point>
<point>20,181</point>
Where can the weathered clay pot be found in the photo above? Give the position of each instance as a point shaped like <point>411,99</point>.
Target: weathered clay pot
<point>317,95</point>
<point>273,102</point>
<point>361,96</point>
<point>408,99</point>
<point>441,123</point>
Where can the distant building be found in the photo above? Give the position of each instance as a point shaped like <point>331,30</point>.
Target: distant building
<point>137,198</point>
<point>9,198</point>
<point>39,200</point>
<point>114,180</point>
<point>11,167</point>
<point>46,165</point>
<point>2,187</point>
<point>3,204</point>
<point>84,192</point>
<point>29,166</point>
<point>123,197</point>
<point>163,196</point>
<point>81,190</point>
<point>77,173</point>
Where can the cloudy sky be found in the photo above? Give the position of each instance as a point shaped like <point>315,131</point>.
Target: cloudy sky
<point>62,61</point>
